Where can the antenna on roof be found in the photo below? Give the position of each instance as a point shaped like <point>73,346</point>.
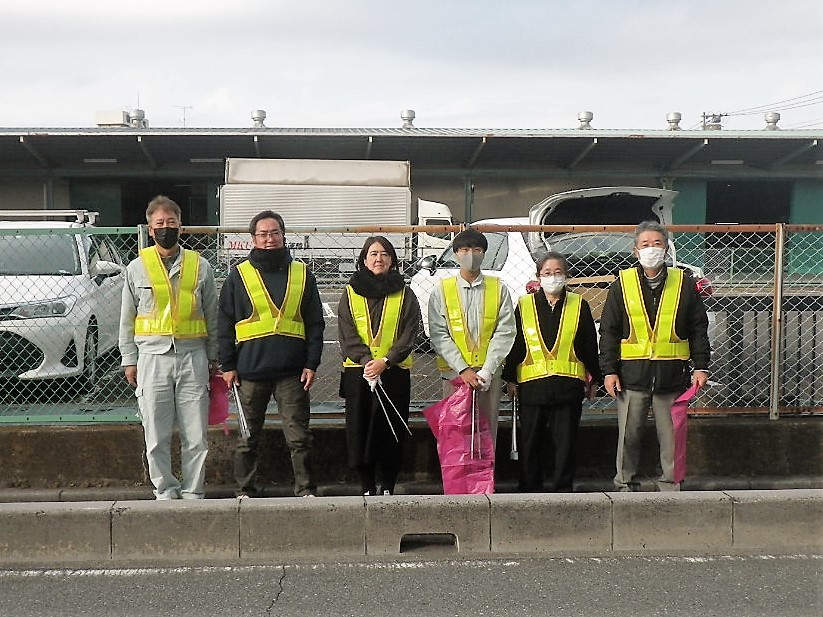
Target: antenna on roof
<point>183,109</point>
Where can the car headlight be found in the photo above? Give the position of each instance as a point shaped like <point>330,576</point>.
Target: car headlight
<point>49,308</point>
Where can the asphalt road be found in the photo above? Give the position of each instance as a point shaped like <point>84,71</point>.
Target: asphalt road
<point>752,586</point>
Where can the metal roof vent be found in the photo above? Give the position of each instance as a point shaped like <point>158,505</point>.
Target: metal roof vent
<point>137,119</point>
<point>258,116</point>
<point>585,118</point>
<point>772,118</point>
<point>674,120</point>
<point>407,116</point>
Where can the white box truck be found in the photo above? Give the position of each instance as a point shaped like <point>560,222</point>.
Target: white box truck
<point>317,196</point>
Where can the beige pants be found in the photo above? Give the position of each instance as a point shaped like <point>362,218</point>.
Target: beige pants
<point>488,402</point>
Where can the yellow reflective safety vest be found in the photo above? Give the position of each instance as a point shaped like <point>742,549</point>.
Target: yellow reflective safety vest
<point>474,352</point>
<point>380,343</point>
<point>172,315</point>
<point>561,359</point>
<point>645,342</point>
<point>266,318</point>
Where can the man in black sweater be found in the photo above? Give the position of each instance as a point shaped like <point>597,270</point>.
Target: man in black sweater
<point>270,335</point>
<point>654,344</point>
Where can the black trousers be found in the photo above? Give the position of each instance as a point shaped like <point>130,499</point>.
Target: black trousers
<point>546,430</point>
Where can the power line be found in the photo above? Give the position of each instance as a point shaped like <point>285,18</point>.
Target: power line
<point>772,106</point>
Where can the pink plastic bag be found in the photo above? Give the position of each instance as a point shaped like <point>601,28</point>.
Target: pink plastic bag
<point>218,401</point>
<point>466,464</point>
<point>680,418</point>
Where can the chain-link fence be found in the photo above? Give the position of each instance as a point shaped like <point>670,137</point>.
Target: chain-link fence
<point>60,299</point>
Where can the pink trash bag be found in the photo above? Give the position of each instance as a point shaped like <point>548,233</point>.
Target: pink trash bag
<point>464,447</point>
<point>680,416</point>
<point>218,401</point>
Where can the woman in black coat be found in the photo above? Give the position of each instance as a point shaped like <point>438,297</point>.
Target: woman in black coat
<point>378,320</point>
<point>551,391</point>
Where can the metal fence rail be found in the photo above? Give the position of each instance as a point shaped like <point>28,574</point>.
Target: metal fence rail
<point>60,298</point>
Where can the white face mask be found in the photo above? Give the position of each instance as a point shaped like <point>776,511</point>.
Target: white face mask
<point>470,261</point>
<point>651,257</point>
<point>553,284</point>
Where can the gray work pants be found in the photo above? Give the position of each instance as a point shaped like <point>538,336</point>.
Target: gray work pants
<point>632,408</point>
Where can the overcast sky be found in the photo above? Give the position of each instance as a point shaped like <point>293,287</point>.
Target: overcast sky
<point>457,63</point>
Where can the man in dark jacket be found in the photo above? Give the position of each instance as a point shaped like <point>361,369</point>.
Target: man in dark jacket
<point>270,334</point>
<point>654,344</point>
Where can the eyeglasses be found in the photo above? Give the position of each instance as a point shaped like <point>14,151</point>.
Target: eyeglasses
<point>268,234</point>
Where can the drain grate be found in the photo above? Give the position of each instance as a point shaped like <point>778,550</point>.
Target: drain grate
<point>428,543</point>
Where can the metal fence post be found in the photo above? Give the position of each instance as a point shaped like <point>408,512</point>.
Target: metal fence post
<point>142,236</point>
<point>777,322</point>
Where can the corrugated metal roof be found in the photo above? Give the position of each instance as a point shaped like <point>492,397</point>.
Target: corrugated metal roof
<point>198,151</point>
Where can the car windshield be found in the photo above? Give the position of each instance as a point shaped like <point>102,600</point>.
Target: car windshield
<point>39,255</point>
<point>601,244</point>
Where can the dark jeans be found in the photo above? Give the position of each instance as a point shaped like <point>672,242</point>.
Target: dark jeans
<point>293,407</point>
<point>556,423</point>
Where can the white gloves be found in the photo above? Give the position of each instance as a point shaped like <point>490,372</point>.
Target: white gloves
<point>372,382</point>
<point>486,377</point>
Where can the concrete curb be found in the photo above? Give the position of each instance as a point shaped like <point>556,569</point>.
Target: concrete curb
<point>118,533</point>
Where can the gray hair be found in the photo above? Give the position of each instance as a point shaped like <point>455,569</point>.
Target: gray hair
<point>651,226</point>
<point>543,257</point>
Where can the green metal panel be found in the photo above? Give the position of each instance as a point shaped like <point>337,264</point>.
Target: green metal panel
<point>689,209</point>
<point>807,202</point>
<point>98,196</point>
<point>804,253</point>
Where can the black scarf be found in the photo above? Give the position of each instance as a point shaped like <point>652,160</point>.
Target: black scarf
<point>268,260</point>
<point>369,285</point>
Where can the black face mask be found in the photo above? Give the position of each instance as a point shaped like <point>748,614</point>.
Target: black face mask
<point>167,237</point>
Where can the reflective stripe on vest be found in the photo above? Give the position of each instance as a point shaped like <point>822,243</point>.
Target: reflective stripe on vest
<point>381,342</point>
<point>176,316</point>
<point>474,352</point>
<point>645,342</point>
<point>561,360</point>
<point>266,318</point>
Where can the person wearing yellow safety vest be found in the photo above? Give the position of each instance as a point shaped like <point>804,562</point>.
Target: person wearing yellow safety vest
<point>168,344</point>
<point>378,320</point>
<point>471,326</point>
<point>270,333</point>
<point>654,344</point>
<point>551,367</point>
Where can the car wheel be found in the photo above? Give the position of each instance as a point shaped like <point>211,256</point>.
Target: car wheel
<point>90,360</point>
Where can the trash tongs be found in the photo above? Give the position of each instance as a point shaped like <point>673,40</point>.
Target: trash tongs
<point>475,426</point>
<point>513,454</point>
<point>241,417</point>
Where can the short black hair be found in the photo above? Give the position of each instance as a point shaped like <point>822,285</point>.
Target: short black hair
<point>382,241</point>
<point>266,214</point>
<point>470,239</point>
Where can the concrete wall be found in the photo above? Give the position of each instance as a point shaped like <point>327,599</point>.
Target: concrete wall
<point>248,530</point>
<point>106,455</point>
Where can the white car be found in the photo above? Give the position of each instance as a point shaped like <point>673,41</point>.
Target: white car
<point>60,295</point>
<point>594,257</point>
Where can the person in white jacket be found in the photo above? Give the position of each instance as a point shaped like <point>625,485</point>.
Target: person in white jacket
<point>472,327</point>
<point>168,344</point>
